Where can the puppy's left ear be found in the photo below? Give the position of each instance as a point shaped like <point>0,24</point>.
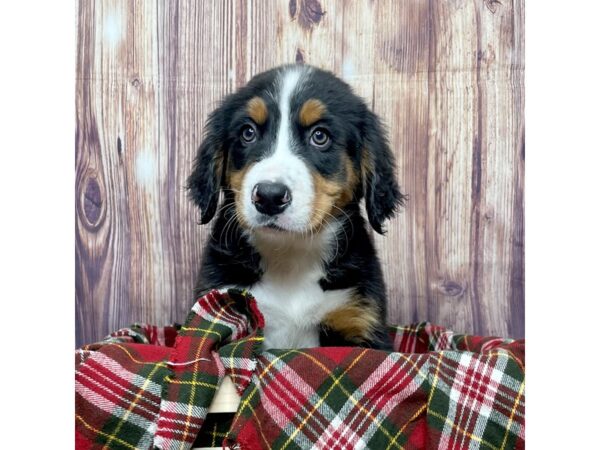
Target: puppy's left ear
<point>207,177</point>
<point>378,173</point>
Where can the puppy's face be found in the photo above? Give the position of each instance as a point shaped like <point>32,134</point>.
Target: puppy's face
<point>290,153</point>
<point>294,147</point>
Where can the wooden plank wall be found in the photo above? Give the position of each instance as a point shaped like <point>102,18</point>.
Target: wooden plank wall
<point>446,76</point>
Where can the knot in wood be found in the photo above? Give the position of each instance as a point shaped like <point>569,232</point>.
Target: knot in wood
<point>452,289</point>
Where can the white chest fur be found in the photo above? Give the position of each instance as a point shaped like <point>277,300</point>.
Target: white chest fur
<point>289,294</point>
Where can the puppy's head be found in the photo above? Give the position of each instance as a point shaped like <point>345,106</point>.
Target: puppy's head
<point>293,148</point>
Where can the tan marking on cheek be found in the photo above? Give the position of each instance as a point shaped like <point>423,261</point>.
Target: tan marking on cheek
<point>257,110</point>
<point>326,195</point>
<point>351,183</point>
<point>236,181</point>
<point>311,112</point>
<point>356,321</point>
<point>331,196</point>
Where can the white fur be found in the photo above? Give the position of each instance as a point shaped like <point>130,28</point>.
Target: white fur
<point>289,294</point>
<point>283,166</point>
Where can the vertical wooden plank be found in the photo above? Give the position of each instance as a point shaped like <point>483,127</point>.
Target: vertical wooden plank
<point>145,170</point>
<point>357,34</point>
<point>101,220</point>
<point>501,123</point>
<point>258,39</point>
<point>453,166</point>
<point>89,206</point>
<point>400,97</point>
<point>516,294</point>
<point>172,307</point>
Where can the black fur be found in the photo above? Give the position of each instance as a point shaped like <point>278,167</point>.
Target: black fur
<point>229,259</point>
<point>206,180</point>
<point>382,195</point>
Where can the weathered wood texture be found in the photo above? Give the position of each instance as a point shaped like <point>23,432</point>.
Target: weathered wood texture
<point>446,76</point>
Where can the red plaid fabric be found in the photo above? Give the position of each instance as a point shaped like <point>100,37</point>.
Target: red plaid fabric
<point>133,393</point>
<point>437,390</point>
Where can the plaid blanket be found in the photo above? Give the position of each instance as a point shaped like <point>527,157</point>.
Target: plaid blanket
<point>149,387</point>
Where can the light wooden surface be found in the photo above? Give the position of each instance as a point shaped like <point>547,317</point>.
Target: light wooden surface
<point>226,399</point>
<point>446,76</point>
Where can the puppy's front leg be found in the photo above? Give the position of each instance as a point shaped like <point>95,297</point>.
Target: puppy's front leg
<point>357,323</point>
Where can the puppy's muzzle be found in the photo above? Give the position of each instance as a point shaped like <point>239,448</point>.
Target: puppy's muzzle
<point>271,198</point>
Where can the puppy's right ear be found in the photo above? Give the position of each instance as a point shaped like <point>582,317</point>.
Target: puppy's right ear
<point>207,177</point>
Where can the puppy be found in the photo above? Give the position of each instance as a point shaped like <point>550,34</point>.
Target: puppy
<point>284,164</point>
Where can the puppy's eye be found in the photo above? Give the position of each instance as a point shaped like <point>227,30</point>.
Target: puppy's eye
<point>319,138</point>
<point>248,134</point>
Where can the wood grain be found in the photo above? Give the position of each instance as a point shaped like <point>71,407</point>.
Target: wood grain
<point>446,77</point>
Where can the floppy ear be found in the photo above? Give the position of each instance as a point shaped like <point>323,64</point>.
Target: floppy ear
<point>207,177</point>
<point>378,173</point>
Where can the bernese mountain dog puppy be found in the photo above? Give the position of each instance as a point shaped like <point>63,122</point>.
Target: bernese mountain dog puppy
<point>283,165</point>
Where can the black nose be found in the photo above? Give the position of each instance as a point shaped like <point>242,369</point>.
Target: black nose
<point>271,198</point>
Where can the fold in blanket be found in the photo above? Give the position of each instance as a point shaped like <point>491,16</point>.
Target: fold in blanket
<point>149,387</point>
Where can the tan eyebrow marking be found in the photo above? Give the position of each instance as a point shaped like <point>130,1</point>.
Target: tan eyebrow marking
<point>312,111</point>
<point>257,110</point>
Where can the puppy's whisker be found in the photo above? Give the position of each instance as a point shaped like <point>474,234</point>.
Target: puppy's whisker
<point>341,222</point>
<point>224,207</point>
<point>221,234</point>
<point>233,190</point>
<point>234,226</point>
<point>228,225</point>
<point>348,218</point>
<point>231,220</point>
<point>225,210</point>
<point>341,226</point>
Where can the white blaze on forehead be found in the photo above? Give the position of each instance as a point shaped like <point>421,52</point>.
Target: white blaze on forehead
<point>289,83</point>
<point>283,165</point>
